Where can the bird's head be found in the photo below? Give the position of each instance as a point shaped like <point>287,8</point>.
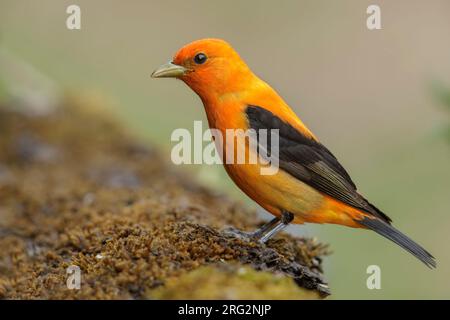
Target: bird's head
<point>211,67</point>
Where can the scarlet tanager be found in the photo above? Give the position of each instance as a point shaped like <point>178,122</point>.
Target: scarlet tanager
<point>310,186</point>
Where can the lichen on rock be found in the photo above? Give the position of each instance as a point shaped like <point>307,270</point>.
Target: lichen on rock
<point>76,189</point>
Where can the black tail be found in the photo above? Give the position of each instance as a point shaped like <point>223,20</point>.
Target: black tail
<point>399,238</point>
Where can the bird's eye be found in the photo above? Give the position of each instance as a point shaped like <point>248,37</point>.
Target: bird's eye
<point>200,58</point>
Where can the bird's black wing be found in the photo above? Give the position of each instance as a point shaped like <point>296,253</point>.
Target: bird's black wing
<point>311,162</point>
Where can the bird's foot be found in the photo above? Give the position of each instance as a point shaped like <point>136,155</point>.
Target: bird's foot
<point>242,235</point>
<point>264,233</point>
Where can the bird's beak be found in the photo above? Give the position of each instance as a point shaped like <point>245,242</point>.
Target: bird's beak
<point>169,70</point>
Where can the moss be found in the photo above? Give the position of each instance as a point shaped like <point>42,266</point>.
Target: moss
<point>226,282</point>
<point>76,189</point>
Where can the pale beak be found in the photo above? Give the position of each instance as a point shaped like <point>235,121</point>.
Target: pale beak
<point>169,70</point>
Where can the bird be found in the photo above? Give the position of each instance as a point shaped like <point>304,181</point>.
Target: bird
<point>311,186</point>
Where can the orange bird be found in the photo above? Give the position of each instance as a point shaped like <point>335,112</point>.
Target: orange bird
<point>310,185</point>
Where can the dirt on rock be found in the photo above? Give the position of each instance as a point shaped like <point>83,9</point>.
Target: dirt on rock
<point>76,189</point>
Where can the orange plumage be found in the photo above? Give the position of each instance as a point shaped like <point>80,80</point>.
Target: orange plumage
<point>311,184</point>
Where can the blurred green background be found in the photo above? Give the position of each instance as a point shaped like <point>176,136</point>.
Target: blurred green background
<point>375,98</point>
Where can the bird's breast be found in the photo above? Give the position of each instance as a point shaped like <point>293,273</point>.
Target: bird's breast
<point>274,192</point>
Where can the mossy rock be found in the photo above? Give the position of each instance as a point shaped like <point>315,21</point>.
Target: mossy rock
<point>232,282</point>
<point>77,189</point>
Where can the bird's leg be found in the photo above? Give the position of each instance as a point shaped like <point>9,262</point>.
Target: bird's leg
<point>274,226</point>
<point>267,231</point>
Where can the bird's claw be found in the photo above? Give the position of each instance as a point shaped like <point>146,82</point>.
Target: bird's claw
<point>242,235</point>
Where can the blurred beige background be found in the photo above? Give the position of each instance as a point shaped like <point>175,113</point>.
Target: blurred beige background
<point>366,94</point>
